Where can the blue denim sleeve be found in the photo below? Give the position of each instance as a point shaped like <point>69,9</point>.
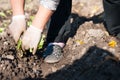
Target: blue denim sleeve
<point>50,4</point>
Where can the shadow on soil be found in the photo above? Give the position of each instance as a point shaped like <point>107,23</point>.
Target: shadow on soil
<point>79,20</point>
<point>96,64</point>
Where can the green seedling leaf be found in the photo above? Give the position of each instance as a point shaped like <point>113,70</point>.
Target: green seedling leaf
<point>31,50</point>
<point>41,43</point>
<point>19,44</point>
<point>29,23</point>
<point>20,51</point>
<point>19,48</point>
<point>2,14</point>
<point>32,17</point>
<point>1,30</point>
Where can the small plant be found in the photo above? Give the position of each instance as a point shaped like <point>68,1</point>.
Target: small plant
<point>19,46</point>
<point>1,30</point>
<point>2,14</point>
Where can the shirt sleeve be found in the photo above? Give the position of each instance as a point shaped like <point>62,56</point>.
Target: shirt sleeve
<point>50,4</point>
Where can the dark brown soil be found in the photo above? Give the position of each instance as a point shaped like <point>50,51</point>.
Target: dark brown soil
<point>87,54</point>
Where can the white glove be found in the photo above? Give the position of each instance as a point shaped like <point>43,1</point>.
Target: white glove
<point>17,26</point>
<point>31,38</point>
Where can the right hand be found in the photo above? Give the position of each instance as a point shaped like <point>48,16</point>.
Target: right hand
<point>17,26</point>
<point>31,38</point>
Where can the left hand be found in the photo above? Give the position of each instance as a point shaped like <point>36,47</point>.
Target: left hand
<point>31,39</point>
<point>17,26</point>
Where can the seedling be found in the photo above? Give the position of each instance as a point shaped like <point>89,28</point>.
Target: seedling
<point>41,43</point>
<point>19,46</point>
<point>2,14</point>
<point>1,30</point>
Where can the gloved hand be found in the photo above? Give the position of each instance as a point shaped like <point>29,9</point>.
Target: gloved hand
<point>17,26</point>
<point>31,39</point>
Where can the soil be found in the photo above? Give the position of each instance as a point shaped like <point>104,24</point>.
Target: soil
<point>87,54</point>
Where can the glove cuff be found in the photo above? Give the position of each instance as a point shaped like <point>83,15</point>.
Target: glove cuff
<point>18,17</point>
<point>36,29</point>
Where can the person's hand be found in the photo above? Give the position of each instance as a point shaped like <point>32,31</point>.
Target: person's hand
<point>17,26</point>
<point>31,39</point>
